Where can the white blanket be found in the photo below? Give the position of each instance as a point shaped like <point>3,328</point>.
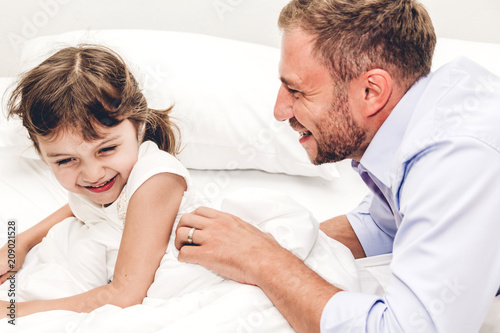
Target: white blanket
<point>184,297</point>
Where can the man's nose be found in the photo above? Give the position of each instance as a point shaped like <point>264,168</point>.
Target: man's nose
<point>283,108</point>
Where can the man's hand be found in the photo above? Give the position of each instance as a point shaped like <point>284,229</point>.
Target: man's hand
<point>224,243</point>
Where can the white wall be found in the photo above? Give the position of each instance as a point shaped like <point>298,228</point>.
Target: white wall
<point>249,20</point>
<point>476,20</point>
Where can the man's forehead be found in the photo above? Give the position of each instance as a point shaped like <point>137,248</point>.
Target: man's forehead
<point>294,56</point>
<point>296,42</point>
<point>298,65</point>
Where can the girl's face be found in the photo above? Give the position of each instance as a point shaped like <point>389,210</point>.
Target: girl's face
<point>97,169</point>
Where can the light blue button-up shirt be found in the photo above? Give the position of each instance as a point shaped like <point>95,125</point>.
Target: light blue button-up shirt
<point>434,173</point>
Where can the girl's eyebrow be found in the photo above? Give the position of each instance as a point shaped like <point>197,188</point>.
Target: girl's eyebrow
<point>108,140</point>
<point>56,154</point>
<point>102,143</point>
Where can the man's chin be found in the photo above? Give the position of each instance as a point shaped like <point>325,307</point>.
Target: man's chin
<point>319,162</point>
<point>313,157</point>
<point>316,160</point>
<point>320,159</point>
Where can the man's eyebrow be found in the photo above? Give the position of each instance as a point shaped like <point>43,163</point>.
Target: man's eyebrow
<point>284,80</point>
<point>288,82</point>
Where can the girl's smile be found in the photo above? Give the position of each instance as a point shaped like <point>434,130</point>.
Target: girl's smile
<point>102,188</point>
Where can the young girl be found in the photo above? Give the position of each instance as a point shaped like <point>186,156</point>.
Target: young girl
<point>90,123</point>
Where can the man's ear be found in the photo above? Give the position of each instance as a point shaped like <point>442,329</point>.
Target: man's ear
<point>371,91</point>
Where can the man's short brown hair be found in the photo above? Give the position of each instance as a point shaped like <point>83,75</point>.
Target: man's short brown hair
<point>354,36</point>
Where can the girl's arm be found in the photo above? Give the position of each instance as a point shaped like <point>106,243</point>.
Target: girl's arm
<point>27,239</point>
<point>150,217</point>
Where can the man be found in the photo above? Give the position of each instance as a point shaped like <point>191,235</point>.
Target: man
<point>356,84</point>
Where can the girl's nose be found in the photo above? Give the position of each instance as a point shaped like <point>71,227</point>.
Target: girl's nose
<point>93,173</point>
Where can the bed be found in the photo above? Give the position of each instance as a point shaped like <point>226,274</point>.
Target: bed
<point>223,91</point>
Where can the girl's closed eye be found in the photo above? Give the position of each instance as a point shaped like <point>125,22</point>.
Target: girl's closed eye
<point>64,161</point>
<point>108,149</point>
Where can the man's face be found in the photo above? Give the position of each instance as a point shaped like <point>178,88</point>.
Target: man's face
<point>315,106</point>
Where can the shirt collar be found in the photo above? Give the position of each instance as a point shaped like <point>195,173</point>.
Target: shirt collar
<point>380,154</point>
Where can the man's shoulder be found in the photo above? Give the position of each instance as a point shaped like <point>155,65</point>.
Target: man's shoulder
<point>462,99</point>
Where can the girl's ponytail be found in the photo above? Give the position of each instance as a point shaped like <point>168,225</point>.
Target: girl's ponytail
<point>161,130</point>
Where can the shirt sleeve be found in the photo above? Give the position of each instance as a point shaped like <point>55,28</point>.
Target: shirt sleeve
<point>366,220</point>
<point>446,255</point>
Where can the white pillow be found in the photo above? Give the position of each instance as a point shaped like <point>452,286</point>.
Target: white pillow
<point>12,132</point>
<point>485,54</point>
<point>223,90</point>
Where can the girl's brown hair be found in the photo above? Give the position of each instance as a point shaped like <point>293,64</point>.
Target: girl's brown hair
<point>82,86</point>
<point>354,36</point>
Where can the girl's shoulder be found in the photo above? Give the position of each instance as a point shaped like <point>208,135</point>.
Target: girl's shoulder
<point>149,151</point>
<point>152,161</point>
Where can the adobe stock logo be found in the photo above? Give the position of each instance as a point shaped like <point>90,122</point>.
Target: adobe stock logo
<point>48,9</point>
<point>224,6</point>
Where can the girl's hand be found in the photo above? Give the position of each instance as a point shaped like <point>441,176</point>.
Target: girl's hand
<point>12,256</point>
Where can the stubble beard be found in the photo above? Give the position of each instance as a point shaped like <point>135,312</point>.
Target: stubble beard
<point>340,135</point>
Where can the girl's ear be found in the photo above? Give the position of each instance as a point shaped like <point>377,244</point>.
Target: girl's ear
<point>372,91</point>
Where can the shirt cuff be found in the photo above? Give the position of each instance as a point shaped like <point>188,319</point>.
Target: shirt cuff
<point>352,312</point>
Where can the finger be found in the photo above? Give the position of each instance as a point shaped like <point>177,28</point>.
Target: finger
<point>207,212</point>
<point>189,254</point>
<point>199,218</point>
<point>190,220</point>
<point>183,235</point>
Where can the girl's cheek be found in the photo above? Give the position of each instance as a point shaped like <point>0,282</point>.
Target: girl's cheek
<point>64,179</point>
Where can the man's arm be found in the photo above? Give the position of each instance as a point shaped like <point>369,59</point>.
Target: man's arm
<point>298,292</point>
<point>340,229</point>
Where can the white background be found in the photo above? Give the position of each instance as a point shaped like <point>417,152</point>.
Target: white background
<point>249,20</point>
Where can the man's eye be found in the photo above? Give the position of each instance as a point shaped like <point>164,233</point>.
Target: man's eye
<point>292,91</point>
<point>65,161</point>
